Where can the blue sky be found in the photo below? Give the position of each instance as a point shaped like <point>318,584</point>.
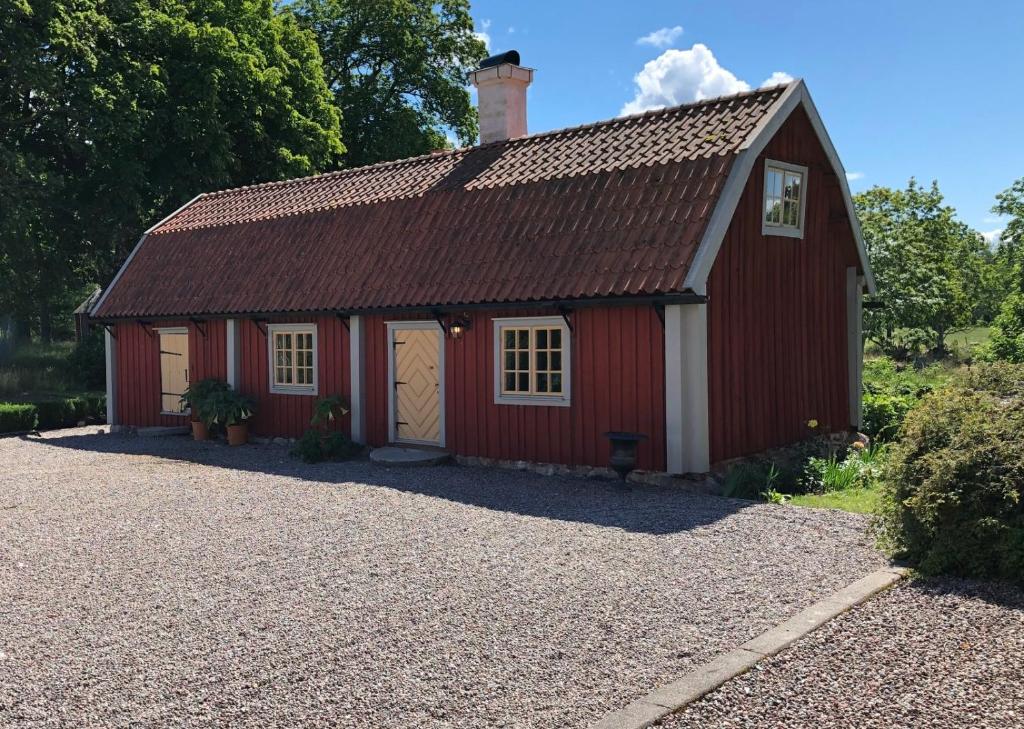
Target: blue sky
<point>925,89</point>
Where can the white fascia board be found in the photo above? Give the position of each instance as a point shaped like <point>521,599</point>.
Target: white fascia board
<point>795,95</point>
<point>128,260</point>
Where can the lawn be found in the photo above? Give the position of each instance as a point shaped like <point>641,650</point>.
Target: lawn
<point>858,501</point>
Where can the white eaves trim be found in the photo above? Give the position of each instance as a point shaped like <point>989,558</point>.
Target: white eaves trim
<point>796,94</point>
<point>142,239</point>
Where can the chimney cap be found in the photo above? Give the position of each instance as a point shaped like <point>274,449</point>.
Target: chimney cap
<point>500,58</point>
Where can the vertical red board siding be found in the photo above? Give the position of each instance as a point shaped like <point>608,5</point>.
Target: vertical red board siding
<point>618,377</point>
<point>289,415</point>
<point>138,367</point>
<point>777,312</point>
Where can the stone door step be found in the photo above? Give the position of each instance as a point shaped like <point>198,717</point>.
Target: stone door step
<point>397,456</point>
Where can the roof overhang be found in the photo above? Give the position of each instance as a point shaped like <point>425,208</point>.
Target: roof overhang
<point>795,95</point>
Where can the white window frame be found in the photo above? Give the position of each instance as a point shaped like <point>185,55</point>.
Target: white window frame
<point>188,375</point>
<point>787,231</point>
<point>564,399</point>
<point>285,389</point>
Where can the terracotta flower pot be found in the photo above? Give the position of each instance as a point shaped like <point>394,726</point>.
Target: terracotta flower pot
<point>199,430</point>
<point>238,434</point>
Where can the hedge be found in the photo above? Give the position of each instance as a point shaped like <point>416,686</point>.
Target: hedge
<point>51,413</point>
<point>953,495</point>
<point>17,417</point>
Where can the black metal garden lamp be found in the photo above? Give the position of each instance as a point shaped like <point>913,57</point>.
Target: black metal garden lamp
<point>623,457</point>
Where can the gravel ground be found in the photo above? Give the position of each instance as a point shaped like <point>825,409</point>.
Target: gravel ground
<point>162,582</point>
<point>928,653</point>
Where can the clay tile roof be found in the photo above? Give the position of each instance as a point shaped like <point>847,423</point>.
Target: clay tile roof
<point>607,209</point>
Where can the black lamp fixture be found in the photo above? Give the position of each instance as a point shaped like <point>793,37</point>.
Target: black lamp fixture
<point>458,326</point>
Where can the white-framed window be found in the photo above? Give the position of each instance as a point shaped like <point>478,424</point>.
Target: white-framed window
<point>293,360</point>
<point>532,358</point>
<point>785,195</point>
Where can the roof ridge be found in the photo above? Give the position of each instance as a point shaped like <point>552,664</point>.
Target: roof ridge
<point>664,111</point>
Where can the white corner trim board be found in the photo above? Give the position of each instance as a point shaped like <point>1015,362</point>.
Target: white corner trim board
<point>357,378</point>
<point>687,431</point>
<point>796,94</point>
<point>234,353</point>
<point>110,351</point>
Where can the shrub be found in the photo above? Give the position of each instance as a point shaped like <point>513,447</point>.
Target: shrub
<point>861,468</point>
<point>17,417</point>
<point>309,447</point>
<point>1007,342</point>
<point>953,494</point>
<point>317,443</point>
<point>65,412</point>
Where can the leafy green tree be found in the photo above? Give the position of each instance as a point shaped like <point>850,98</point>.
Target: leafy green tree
<point>929,267</point>
<point>1007,342</point>
<point>398,71</point>
<point>113,113</point>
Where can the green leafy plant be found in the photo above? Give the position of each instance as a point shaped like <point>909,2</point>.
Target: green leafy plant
<point>328,410</point>
<point>201,396</point>
<point>318,443</point>
<point>953,490</point>
<point>229,407</point>
<point>775,497</point>
<point>17,417</point>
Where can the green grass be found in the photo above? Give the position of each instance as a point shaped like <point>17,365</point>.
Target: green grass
<point>969,338</point>
<point>859,501</point>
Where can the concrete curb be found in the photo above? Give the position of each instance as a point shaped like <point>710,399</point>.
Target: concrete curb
<point>706,678</point>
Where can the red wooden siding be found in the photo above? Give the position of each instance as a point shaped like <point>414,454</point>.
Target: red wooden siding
<point>138,382</point>
<point>138,368</point>
<point>777,312</point>
<point>617,384</point>
<point>288,415</point>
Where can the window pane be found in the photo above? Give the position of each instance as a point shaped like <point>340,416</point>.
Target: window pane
<point>287,379</point>
<point>556,338</point>
<point>793,187</point>
<point>789,213</point>
<point>524,361</point>
<point>524,338</point>
<point>300,376</point>
<point>556,361</point>
<point>510,360</point>
<point>773,185</point>
<point>287,354</point>
<point>510,338</point>
<point>510,382</point>
<point>542,382</point>
<point>542,360</point>
<point>279,375</point>
<point>524,382</point>
<point>542,339</point>
<point>556,382</point>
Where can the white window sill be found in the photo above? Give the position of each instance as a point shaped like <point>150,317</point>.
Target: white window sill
<point>781,231</point>
<point>535,400</point>
<point>281,390</point>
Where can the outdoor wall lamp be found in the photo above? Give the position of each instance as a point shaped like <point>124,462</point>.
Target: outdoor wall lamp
<point>457,326</point>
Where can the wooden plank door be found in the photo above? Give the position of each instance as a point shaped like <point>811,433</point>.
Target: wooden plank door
<point>173,369</point>
<point>417,386</point>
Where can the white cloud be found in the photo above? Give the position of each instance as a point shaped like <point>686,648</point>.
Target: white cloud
<point>854,176</point>
<point>511,30</point>
<point>777,79</point>
<point>662,37</point>
<point>482,33</point>
<point>678,77</point>
<point>992,236</point>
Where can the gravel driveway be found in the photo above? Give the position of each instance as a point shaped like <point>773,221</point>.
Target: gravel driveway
<point>929,653</point>
<point>158,581</point>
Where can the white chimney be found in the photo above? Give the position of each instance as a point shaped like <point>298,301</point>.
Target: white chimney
<point>501,91</point>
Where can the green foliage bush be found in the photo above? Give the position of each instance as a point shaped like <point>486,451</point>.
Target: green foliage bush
<point>891,390</point>
<point>860,469</point>
<point>66,412</point>
<point>17,417</point>
<point>953,493</point>
<point>86,363</point>
<point>318,444</point>
<point>1007,340</point>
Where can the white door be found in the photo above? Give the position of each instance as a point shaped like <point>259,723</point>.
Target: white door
<point>417,383</point>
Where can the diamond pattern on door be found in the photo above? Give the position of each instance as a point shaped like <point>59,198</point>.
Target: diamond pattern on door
<point>417,385</point>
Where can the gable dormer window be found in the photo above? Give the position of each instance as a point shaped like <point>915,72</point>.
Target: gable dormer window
<point>785,192</point>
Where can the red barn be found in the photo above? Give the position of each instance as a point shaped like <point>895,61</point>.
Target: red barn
<point>694,274</point>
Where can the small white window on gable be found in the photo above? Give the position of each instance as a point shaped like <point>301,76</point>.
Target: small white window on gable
<point>785,190</point>
<point>531,361</point>
<point>293,368</point>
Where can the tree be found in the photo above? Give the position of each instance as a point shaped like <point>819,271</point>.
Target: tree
<point>929,267</point>
<point>114,113</point>
<point>1007,342</point>
<point>398,71</point>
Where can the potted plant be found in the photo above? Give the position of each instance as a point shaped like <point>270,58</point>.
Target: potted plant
<point>233,410</point>
<point>197,399</point>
